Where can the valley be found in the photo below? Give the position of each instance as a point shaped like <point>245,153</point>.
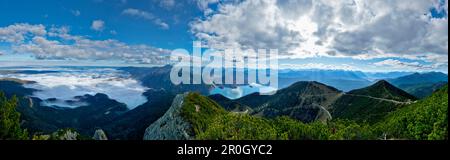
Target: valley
<point>309,106</point>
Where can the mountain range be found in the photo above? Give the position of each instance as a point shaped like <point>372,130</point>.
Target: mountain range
<point>420,84</point>
<point>193,116</point>
<point>302,100</point>
<point>305,102</point>
<point>311,101</point>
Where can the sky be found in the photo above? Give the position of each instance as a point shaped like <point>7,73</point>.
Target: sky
<point>378,36</point>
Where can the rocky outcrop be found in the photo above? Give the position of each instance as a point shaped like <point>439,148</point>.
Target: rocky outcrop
<point>171,126</point>
<point>65,134</point>
<point>99,135</point>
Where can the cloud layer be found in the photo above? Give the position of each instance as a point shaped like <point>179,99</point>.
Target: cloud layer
<point>396,64</point>
<point>404,31</point>
<point>68,83</point>
<point>351,28</point>
<point>58,43</point>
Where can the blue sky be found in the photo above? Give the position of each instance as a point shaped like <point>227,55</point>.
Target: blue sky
<point>128,29</point>
<point>386,36</point>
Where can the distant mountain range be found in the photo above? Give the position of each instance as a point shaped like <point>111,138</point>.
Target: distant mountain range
<point>159,78</point>
<point>350,80</point>
<point>373,76</point>
<point>304,101</point>
<point>340,79</point>
<point>420,84</point>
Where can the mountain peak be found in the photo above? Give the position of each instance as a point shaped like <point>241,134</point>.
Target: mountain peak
<point>186,117</point>
<point>305,101</point>
<point>171,125</point>
<point>370,103</point>
<point>309,86</point>
<point>382,83</point>
<point>383,89</point>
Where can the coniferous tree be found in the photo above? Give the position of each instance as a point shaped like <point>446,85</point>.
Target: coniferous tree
<point>10,120</point>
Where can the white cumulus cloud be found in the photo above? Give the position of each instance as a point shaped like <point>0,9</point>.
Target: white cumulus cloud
<point>146,16</point>
<point>348,28</point>
<point>17,33</point>
<point>397,64</point>
<point>203,4</point>
<point>58,43</point>
<point>98,25</point>
<point>318,66</point>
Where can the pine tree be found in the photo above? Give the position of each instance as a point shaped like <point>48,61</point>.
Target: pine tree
<point>10,120</point>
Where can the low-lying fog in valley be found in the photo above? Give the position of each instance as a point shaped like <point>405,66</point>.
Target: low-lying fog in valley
<point>60,86</point>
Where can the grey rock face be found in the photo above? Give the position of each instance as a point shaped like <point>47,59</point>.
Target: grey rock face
<point>99,135</point>
<point>66,135</point>
<point>171,126</point>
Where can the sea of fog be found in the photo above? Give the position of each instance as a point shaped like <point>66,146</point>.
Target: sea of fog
<point>240,91</point>
<point>66,83</point>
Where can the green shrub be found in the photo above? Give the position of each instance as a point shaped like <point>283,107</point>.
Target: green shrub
<point>10,120</point>
<point>425,120</point>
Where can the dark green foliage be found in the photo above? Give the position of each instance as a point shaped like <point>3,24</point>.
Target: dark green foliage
<point>245,127</point>
<point>200,111</point>
<point>422,90</point>
<point>362,109</point>
<point>10,88</point>
<point>351,130</point>
<point>10,120</point>
<point>132,124</point>
<point>210,121</point>
<point>239,127</point>
<point>99,112</point>
<point>290,129</point>
<point>213,123</point>
<point>370,104</point>
<point>424,120</point>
